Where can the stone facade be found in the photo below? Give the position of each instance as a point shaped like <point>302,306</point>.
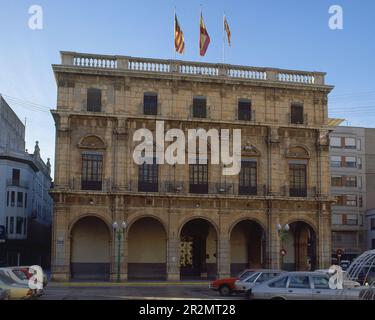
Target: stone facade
<point>269,139</point>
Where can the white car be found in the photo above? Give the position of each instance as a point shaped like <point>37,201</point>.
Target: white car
<point>245,284</point>
<point>20,278</point>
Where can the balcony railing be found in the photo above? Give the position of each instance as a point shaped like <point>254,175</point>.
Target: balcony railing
<point>184,187</point>
<point>114,62</point>
<point>17,183</point>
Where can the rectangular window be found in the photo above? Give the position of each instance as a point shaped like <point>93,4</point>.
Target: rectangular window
<point>16,173</point>
<point>199,107</point>
<point>198,178</point>
<point>297,180</point>
<point>92,165</point>
<point>24,225</point>
<point>19,199</point>
<point>11,225</point>
<point>148,177</point>
<point>350,143</point>
<point>359,144</point>
<point>350,162</point>
<point>6,225</point>
<point>296,114</point>
<point>19,223</point>
<point>336,181</point>
<point>12,198</point>
<point>359,163</point>
<point>244,110</point>
<point>351,200</point>
<point>351,181</point>
<point>248,178</point>
<point>351,220</point>
<point>335,142</point>
<point>94,100</point>
<point>25,200</point>
<point>336,161</point>
<point>7,198</point>
<point>150,104</point>
<point>372,223</point>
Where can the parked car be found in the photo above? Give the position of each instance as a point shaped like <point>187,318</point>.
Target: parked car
<point>26,271</point>
<point>19,278</point>
<point>245,284</point>
<point>4,294</point>
<point>302,286</point>
<point>227,286</point>
<point>16,291</point>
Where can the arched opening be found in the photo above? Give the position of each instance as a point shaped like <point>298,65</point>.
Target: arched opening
<point>90,249</point>
<point>300,246</point>
<point>147,249</point>
<point>198,240</point>
<point>247,242</point>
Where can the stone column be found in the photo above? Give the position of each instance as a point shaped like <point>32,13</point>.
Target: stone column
<point>223,256</point>
<point>173,259</point>
<point>60,246</point>
<point>274,161</point>
<point>173,249</point>
<point>273,239</point>
<point>324,240</point>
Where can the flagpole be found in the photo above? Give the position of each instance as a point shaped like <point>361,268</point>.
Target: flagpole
<point>223,39</point>
<point>174,33</point>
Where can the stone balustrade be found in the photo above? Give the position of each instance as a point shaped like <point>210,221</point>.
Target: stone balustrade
<point>191,68</point>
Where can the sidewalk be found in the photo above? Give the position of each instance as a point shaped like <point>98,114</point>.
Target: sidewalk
<point>143,283</point>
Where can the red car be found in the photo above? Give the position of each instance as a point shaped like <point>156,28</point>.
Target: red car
<point>227,286</point>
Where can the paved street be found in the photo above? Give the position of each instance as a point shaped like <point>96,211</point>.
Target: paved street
<point>136,290</point>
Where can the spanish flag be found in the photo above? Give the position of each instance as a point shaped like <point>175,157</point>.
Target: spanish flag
<point>226,28</point>
<point>204,38</point>
<point>179,41</point>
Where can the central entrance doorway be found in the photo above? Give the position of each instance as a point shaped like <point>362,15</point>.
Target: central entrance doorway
<point>198,244</point>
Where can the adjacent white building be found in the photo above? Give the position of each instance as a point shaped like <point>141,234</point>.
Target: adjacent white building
<point>25,205</point>
<point>348,187</point>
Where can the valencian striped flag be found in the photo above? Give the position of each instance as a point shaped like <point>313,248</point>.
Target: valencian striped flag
<point>226,28</point>
<point>179,41</point>
<point>204,38</point>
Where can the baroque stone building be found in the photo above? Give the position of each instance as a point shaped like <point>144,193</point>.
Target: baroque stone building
<point>188,220</point>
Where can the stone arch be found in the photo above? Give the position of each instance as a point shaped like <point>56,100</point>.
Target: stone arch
<point>147,248</point>
<point>298,151</point>
<point>92,141</point>
<point>198,248</point>
<point>131,220</point>
<point>300,243</point>
<point>247,244</point>
<point>208,219</point>
<point>90,254</point>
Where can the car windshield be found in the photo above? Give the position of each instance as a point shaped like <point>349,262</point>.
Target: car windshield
<point>20,275</point>
<point>245,274</point>
<point>252,277</point>
<point>4,279</point>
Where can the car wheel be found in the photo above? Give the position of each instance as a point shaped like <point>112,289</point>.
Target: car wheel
<point>225,291</point>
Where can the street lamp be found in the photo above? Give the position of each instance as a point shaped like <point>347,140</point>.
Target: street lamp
<point>119,230</point>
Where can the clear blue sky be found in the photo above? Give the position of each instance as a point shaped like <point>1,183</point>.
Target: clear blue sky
<point>287,34</point>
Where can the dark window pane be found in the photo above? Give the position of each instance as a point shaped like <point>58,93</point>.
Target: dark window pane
<point>94,100</point>
<point>92,172</point>
<point>248,178</point>
<point>150,104</point>
<point>198,178</point>
<point>299,282</point>
<point>244,110</point>
<point>19,223</point>
<point>11,226</point>
<point>199,108</point>
<point>19,199</point>
<point>16,177</point>
<point>296,114</point>
<point>297,180</point>
<point>12,198</point>
<point>148,177</point>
